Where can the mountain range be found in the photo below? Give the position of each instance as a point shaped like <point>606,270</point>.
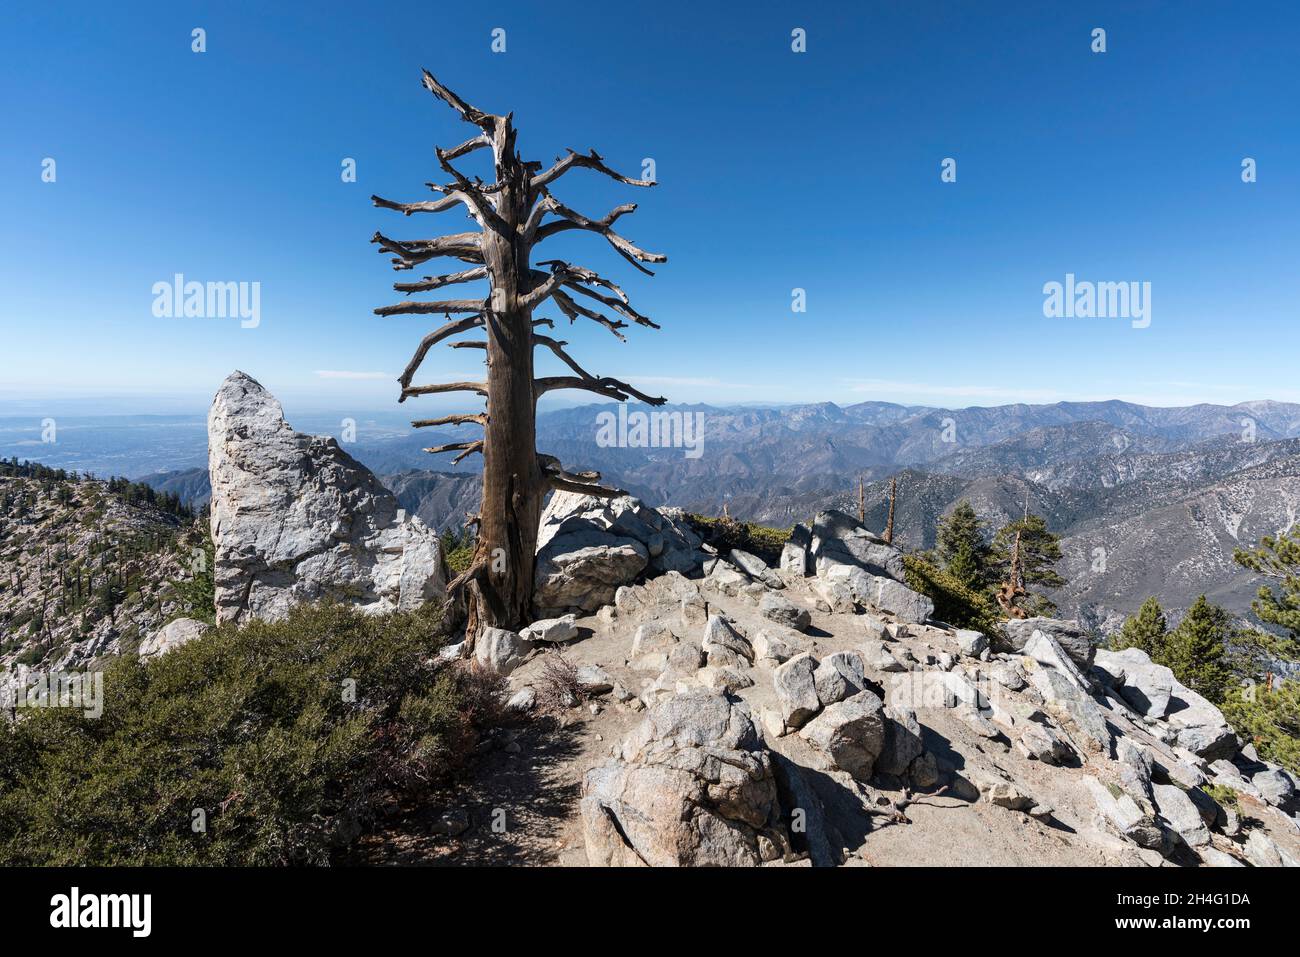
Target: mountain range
<point>1147,500</point>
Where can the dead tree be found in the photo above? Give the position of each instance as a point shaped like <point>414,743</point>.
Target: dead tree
<point>1013,589</point>
<point>515,212</point>
<point>889,521</point>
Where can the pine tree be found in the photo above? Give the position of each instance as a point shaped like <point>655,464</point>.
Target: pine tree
<point>1270,719</point>
<point>1197,650</point>
<point>1277,558</point>
<point>1147,631</point>
<point>1039,551</point>
<point>961,548</point>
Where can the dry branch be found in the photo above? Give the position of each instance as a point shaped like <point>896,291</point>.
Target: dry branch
<point>416,307</point>
<point>479,387</point>
<point>429,283</point>
<point>432,339</point>
<point>592,160</point>
<point>605,385</point>
<point>478,417</point>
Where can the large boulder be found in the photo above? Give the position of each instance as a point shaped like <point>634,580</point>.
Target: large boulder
<point>755,568</point>
<point>1016,633</point>
<point>1127,816</point>
<point>850,734</point>
<point>1262,851</point>
<point>588,547</point>
<point>784,612</point>
<point>1144,686</point>
<point>839,676</point>
<point>794,554</point>
<point>838,539</point>
<point>583,568</point>
<point>297,519</point>
<point>1198,725</point>
<point>172,635</point>
<point>724,645</point>
<point>900,601</point>
<point>796,689</point>
<point>971,643</point>
<point>903,742</point>
<point>1274,786</point>
<point>692,785</point>
<point>1182,814</point>
<point>1046,650</point>
<point>1066,697</point>
<point>501,650</point>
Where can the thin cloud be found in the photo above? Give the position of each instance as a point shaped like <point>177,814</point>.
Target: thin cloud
<point>682,381</point>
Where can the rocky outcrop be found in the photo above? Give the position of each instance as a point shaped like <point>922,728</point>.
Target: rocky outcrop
<point>693,785</point>
<point>297,519</point>
<point>1016,633</point>
<point>902,602</point>
<point>856,570</point>
<point>1144,686</point>
<point>587,547</point>
<point>172,635</point>
<point>1198,725</point>
<point>1066,693</point>
<point>838,539</point>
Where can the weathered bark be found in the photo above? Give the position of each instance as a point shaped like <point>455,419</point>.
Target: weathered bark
<point>513,486</point>
<point>889,522</point>
<point>510,212</point>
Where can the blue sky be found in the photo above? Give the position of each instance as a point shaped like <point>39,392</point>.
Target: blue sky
<point>818,170</point>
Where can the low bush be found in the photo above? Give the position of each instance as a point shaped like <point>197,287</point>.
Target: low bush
<point>725,533</point>
<point>270,744</point>
<point>954,602</point>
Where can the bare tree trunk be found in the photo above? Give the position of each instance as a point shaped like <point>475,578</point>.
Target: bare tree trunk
<point>889,522</point>
<point>513,485</point>
<point>511,212</point>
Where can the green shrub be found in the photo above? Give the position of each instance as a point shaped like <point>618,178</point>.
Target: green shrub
<point>724,534</point>
<point>458,559</point>
<point>196,591</point>
<point>954,602</point>
<point>255,726</point>
<point>1270,720</point>
<point>457,550</point>
<point>1222,794</point>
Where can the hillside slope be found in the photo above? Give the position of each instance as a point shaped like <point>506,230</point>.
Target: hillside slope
<point>86,566</point>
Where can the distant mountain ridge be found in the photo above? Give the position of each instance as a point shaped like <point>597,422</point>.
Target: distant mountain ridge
<point>1166,492</point>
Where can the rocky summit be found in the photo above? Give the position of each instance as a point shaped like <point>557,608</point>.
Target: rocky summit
<point>296,519</point>
<point>725,712</point>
